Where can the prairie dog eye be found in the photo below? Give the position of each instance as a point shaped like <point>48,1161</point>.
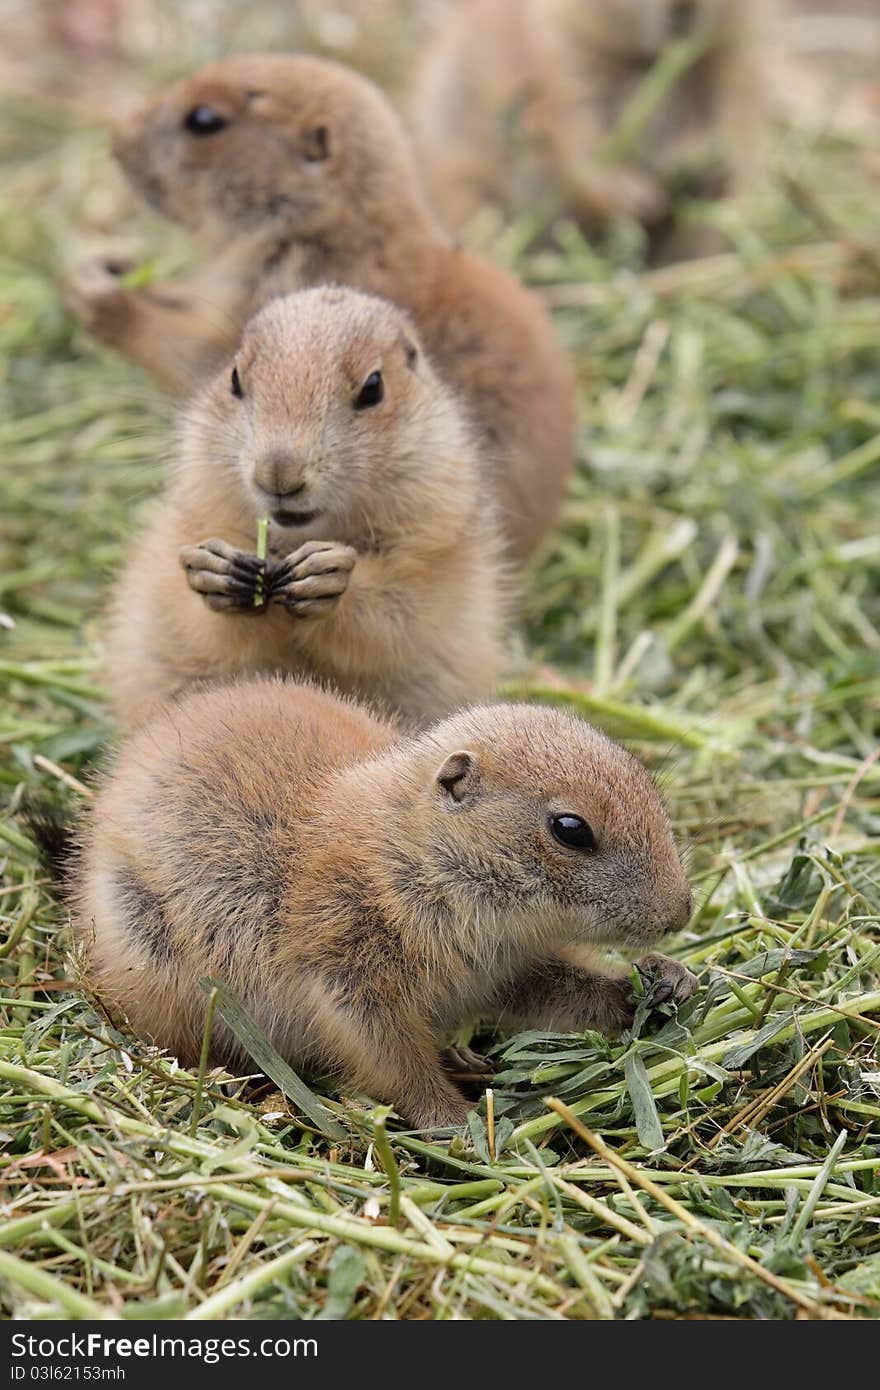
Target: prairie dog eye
<point>573,832</point>
<point>235,384</point>
<point>204,120</point>
<point>316,146</point>
<point>370,393</point>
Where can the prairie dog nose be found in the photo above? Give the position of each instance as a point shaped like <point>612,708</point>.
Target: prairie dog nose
<point>126,130</point>
<point>680,914</point>
<point>121,141</point>
<point>280,474</point>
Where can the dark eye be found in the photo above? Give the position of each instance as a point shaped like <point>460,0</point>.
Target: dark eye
<point>573,832</point>
<point>235,384</point>
<point>204,120</point>
<point>317,144</point>
<point>370,393</point>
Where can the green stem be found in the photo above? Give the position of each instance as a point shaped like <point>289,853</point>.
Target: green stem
<point>606,641</point>
<point>821,1182</point>
<point>631,721</point>
<point>219,1304</point>
<point>203,1061</point>
<point>34,1280</point>
<point>12,1232</point>
<point>386,1158</point>
<point>671,65</point>
<point>262,544</point>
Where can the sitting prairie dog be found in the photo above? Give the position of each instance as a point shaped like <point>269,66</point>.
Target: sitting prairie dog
<point>384,572</point>
<point>363,894</point>
<point>295,172</point>
<point>514,99</point>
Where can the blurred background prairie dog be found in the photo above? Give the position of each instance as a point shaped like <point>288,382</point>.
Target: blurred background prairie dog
<point>364,894</point>
<point>515,101</point>
<point>385,574</point>
<point>294,172</point>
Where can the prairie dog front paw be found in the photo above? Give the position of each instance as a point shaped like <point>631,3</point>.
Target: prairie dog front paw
<point>224,577</point>
<point>675,983</point>
<point>98,299</point>
<point>624,192</point>
<point>310,582</point>
<point>639,196</point>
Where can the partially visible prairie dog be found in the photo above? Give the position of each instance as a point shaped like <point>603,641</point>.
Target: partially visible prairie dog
<point>514,99</point>
<point>385,574</point>
<point>363,894</point>
<point>295,172</point>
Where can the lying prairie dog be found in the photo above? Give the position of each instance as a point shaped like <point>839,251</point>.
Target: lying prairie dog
<point>363,893</point>
<point>515,99</point>
<point>295,172</point>
<point>385,574</point>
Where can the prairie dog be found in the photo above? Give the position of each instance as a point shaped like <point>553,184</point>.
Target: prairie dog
<point>385,574</point>
<point>294,172</point>
<point>514,99</point>
<point>362,893</point>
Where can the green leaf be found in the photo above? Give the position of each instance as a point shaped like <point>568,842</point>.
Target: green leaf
<point>864,1282</point>
<point>768,961</point>
<point>708,1093</point>
<point>346,1273</point>
<point>503,1131</point>
<point>479,1137</point>
<point>738,1056</point>
<point>799,888</point>
<point>648,1126</point>
<point>270,1061</point>
<point>138,277</point>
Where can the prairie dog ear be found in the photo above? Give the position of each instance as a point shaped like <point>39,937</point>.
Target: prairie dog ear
<point>458,778</point>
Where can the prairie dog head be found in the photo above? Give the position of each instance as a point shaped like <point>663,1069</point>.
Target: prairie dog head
<point>641,29</point>
<point>531,811</point>
<point>331,417</point>
<point>264,142</point>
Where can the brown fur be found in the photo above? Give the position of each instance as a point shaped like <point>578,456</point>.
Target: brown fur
<point>513,101</point>
<point>395,575</point>
<point>313,182</point>
<point>363,893</point>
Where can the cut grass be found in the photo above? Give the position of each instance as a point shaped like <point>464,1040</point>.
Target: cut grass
<point>711,596</point>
